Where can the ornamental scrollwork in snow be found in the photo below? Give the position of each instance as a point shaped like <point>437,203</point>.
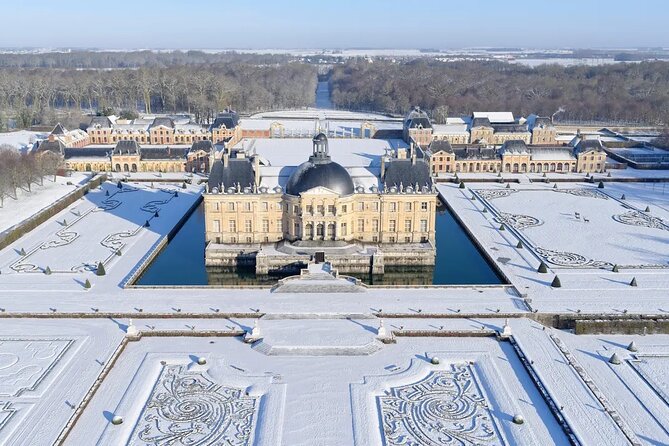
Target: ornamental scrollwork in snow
<point>491,194</point>
<point>571,259</point>
<point>590,193</point>
<point>186,407</point>
<point>636,218</point>
<point>519,221</point>
<point>445,408</point>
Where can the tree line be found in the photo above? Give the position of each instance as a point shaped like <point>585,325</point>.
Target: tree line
<point>22,170</point>
<point>42,95</point>
<point>636,92</point>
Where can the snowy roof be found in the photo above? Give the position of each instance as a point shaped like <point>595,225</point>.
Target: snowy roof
<point>496,117</point>
<point>540,154</point>
<point>449,129</point>
<point>349,152</point>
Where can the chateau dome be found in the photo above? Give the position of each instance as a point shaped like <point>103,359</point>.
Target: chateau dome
<point>321,171</point>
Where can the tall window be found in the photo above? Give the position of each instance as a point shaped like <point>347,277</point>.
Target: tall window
<point>407,225</point>
<point>217,226</point>
<point>423,206</point>
<point>310,209</point>
<point>265,226</point>
<point>231,206</point>
<point>279,225</point>
<point>423,226</point>
<point>264,206</point>
<point>361,225</point>
<point>343,229</point>
<point>407,206</point>
<point>247,206</point>
<point>331,209</point>
<point>321,209</point>
<point>344,208</point>
<point>232,226</point>
<point>392,207</point>
<point>375,225</point>
<point>375,206</point>
<point>392,225</point>
<point>248,226</point>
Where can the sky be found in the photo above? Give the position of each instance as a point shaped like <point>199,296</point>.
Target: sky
<point>256,24</point>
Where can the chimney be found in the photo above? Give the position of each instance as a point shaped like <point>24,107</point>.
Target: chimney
<point>226,159</point>
<point>413,158</point>
<point>256,169</point>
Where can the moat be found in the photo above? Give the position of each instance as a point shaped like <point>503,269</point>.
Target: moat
<point>458,262</point>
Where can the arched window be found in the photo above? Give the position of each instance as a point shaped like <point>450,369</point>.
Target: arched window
<point>88,168</point>
<point>126,168</point>
<point>134,167</point>
<point>319,230</point>
<point>523,167</point>
<point>309,231</point>
<point>331,231</point>
<point>507,167</point>
<point>118,167</point>
<point>515,167</point>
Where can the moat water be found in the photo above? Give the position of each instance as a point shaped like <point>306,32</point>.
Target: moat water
<point>458,262</point>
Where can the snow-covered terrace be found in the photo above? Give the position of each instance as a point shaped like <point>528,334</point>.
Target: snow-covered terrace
<point>347,152</point>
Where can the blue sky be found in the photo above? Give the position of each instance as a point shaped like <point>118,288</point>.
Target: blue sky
<point>333,24</point>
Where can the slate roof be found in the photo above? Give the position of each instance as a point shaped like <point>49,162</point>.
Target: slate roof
<point>542,121</point>
<point>475,153</point>
<point>102,121</point>
<point>58,130</point>
<point>205,145</point>
<point>163,153</point>
<point>86,152</point>
<point>228,119</point>
<point>238,171</point>
<point>586,145</point>
<point>405,172</point>
<point>510,128</point>
<point>514,146</point>
<point>166,122</point>
<point>439,145</point>
<point>52,146</point>
<point>126,148</point>
<point>417,118</point>
<point>480,122</point>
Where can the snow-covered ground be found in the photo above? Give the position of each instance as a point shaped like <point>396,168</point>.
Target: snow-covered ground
<point>22,140</point>
<point>26,204</point>
<point>318,374</point>
<point>587,286</point>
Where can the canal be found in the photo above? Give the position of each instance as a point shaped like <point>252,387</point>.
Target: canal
<point>458,261</point>
<point>323,95</point>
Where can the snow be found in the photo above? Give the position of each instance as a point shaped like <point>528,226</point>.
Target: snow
<point>319,374</point>
<point>347,152</point>
<point>496,117</point>
<point>27,203</point>
<point>22,139</point>
<point>324,114</point>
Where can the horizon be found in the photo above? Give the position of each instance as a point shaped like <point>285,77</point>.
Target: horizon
<point>347,24</point>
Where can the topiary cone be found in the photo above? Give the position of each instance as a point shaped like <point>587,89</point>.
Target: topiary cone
<point>633,282</point>
<point>501,227</point>
<point>100,270</point>
<point>543,269</point>
<point>87,284</point>
<point>600,185</point>
<point>519,245</point>
<point>47,271</point>
<point>615,268</point>
<point>556,282</point>
<point>462,184</point>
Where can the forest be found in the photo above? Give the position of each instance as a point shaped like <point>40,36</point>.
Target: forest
<point>45,88</point>
<point>33,96</point>
<point>626,92</point>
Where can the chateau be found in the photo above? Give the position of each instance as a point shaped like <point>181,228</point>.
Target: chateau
<point>357,217</point>
<point>483,142</point>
